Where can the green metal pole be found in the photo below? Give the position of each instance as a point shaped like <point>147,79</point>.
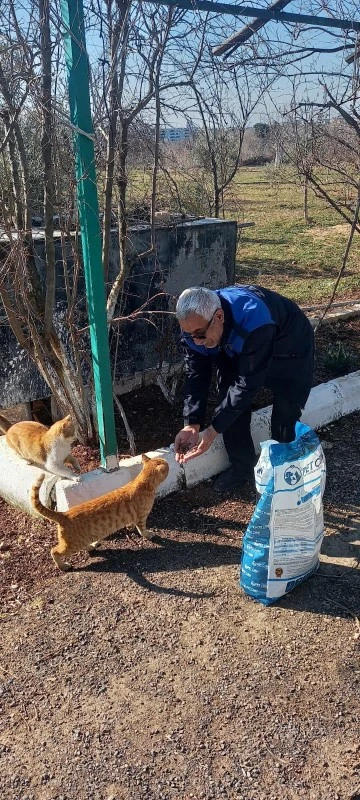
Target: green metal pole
<point>79,97</point>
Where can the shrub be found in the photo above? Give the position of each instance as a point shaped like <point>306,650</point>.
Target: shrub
<point>339,360</point>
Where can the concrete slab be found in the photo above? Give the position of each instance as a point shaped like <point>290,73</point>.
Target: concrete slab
<point>349,386</point>
<point>323,405</point>
<point>16,478</point>
<point>97,482</point>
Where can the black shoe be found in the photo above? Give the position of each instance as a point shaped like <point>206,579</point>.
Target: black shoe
<point>232,478</point>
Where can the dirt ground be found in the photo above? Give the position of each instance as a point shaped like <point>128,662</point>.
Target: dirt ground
<point>147,674</point>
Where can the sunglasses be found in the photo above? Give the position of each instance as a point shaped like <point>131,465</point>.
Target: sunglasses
<point>202,334</point>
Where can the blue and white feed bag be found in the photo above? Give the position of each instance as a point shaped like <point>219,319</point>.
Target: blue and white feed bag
<point>282,543</point>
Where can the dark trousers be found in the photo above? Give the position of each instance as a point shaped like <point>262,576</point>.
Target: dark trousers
<point>238,440</point>
<point>291,388</point>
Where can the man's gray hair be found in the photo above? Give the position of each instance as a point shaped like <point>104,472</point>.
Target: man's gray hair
<point>197,300</point>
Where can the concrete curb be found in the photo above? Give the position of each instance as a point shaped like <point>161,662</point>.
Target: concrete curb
<point>17,477</point>
<point>327,402</point>
<point>334,316</point>
<point>97,482</point>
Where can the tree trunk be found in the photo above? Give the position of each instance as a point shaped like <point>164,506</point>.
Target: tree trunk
<point>217,196</point>
<point>109,183</point>
<point>156,163</point>
<point>46,150</point>
<point>113,112</point>
<point>122,221</point>
<point>306,198</point>
<point>47,353</point>
<point>17,203</point>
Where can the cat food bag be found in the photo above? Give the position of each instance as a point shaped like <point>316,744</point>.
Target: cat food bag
<point>282,542</point>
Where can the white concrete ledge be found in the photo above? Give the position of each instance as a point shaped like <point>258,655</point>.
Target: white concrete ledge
<point>326,403</point>
<point>97,482</point>
<point>334,316</point>
<point>17,477</point>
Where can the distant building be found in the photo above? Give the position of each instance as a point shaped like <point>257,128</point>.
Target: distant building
<point>175,134</point>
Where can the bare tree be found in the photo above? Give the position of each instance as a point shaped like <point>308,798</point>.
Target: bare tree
<point>320,133</point>
<point>322,141</point>
<point>138,46</point>
<point>26,70</point>
<point>225,103</point>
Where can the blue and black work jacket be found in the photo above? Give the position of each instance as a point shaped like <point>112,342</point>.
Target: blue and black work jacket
<point>267,341</point>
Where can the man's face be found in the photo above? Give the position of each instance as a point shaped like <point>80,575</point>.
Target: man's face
<point>203,331</point>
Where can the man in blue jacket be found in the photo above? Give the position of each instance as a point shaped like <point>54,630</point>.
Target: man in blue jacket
<point>256,338</point>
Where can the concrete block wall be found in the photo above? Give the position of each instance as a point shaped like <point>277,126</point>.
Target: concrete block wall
<point>189,253</point>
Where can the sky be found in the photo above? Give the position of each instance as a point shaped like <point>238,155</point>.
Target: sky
<point>282,89</point>
<point>221,26</point>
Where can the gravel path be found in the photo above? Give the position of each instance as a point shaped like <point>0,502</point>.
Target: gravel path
<point>147,674</point>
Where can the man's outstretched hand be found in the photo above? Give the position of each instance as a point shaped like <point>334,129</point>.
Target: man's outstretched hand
<point>185,440</point>
<point>189,445</point>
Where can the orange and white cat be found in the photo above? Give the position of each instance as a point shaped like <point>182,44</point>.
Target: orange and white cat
<point>46,447</point>
<point>83,526</point>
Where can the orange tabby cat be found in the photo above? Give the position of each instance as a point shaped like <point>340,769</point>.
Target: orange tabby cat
<point>83,526</point>
<point>46,447</point>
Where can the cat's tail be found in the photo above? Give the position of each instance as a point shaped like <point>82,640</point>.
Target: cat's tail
<point>4,424</point>
<point>36,503</point>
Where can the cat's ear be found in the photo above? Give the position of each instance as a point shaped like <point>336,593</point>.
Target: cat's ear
<point>161,468</point>
<point>67,426</point>
<point>145,458</point>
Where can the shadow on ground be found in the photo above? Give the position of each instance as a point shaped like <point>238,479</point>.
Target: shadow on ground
<point>265,266</point>
<point>169,555</point>
<point>333,591</point>
<point>328,594</point>
<point>195,531</point>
